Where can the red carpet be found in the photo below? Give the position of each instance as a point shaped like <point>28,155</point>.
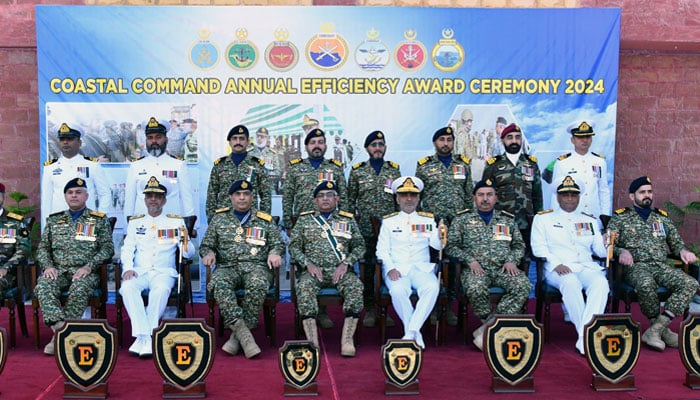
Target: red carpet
<point>454,371</point>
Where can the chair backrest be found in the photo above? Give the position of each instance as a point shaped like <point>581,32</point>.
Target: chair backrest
<point>189,224</point>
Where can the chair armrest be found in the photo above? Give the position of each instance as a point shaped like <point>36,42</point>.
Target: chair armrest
<point>117,276</point>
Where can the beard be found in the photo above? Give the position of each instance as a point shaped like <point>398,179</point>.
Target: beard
<point>156,151</point>
<point>513,148</point>
<point>645,203</point>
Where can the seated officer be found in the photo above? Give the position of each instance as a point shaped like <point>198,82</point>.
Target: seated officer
<point>14,244</point>
<point>245,245</point>
<point>403,246</point>
<point>148,257</point>
<point>328,243</point>
<point>490,243</point>
<point>74,243</point>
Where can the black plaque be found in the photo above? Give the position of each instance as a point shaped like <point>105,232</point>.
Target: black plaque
<point>612,344</point>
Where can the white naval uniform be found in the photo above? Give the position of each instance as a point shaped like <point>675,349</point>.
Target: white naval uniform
<point>570,239</point>
<point>153,260</point>
<point>171,173</point>
<point>400,248</point>
<point>590,172</point>
<point>59,172</point>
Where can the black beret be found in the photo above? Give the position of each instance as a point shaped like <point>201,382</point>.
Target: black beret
<point>374,136</point>
<point>239,185</point>
<point>443,132</point>
<point>325,185</point>
<point>314,133</point>
<point>153,126</point>
<point>639,182</point>
<point>74,183</point>
<point>237,130</point>
<point>482,183</point>
<point>66,131</point>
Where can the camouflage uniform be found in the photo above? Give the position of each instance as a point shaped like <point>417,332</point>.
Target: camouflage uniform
<point>518,187</point>
<point>301,181</point>
<point>273,164</point>
<point>14,247</point>
<point>225,172</point>
<point>311,246</point>
<point>647,241</point>
<point>447,190</point>
<point>241,262</point>
<point>60,249</point>
<point>471,239</point>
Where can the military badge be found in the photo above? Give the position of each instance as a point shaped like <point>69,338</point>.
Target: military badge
<point>327,50</point>
<point>410,55</point>
<point>401,362</point>
<point>612,345</point>
<point>241,54</point>
<point>447,54</point>
<point>689,347</point>
<point>168,235</point>
<point>281,55</point>
<point>86,232</point>
<point>255,236</point>
<point>502,232</point>
<point>299,363</point>
<point>372,54</point>
<point>512,348</point>
<point>8,235</point>
<point>203,53</point>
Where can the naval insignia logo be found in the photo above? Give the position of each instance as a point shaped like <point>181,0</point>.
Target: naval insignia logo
<point>372,54</point>
<point>241,54</point>
<point>86,352</point>
<point>447,54</point>
<point>327,50</point>
<point>512,347</point>
<point>183,351</point>
<point>401,361</point>
<point>299,362</point>
<point>612,345</point>
<point>204,54</point>
<point>281,55</point>
<point>411,55</point>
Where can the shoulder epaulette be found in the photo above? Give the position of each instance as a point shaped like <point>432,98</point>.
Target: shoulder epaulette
<point>466,210</point>
<point>491,160</point>
<point>133,217</point>
<point>393,164</point>
<point>464,159</point>
<point>423,160</point>
<point>93,159</point>
<point>395,213</point>
<point>598,155</point>
<point>532,158</point>
<point>56,213</point>
<point>507,213</point>
<point>336,162</point>
<point>587,214</point>
<point>176,157</point>
<point>220,159</point>
<point>140,158</point>
<point>306,213</point>
<point>220,210</point>
<point>173,216</point>
<point>295,161</point>
<point>358,165</point>
<point>346,214</point>
<point>426,214</point>
<point>545,211</point>
<point>564,156</point>
<point>47,163</point>
<point>99,214</point>
<point>662,212</point>
<point>15,216</point>
<point>265,216</point>
<point>620,210</point>
<point>259,160</point>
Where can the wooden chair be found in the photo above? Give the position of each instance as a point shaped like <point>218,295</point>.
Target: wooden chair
<point>14,298</point>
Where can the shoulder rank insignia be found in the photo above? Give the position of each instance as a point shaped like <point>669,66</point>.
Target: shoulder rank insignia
<point>532,158</point>
<point>173,216</point>
<point>466,210</point>
<point>47,163</point>
<point>307,213</point>
<point>620,210</point>
<point>464,159</point>
<point>56,213</point>
<point>346,214</point>
<point>395,213</point>
<point>564,156</point>
<point>259,160</point>
<point>426,214</point>
<point>176,157</point>
<point>97,214</point>
<point>220,210</point>
<point>358,165</point>
<point>140,158</point>
<point>545,211</point>
<point>336,162</point>
<point>393,164</point>
<point>587,214</point>
<point>423,160</point>
<point>295,161</point>
<point>507,213</point>
<point>491,160</point>
<point>14,216</point>
<point>220,159</point>
<point>264,216</point>
<point>133,217</point>
<point>598,155</point>
<point>93,159</point>
<point>662,212</point>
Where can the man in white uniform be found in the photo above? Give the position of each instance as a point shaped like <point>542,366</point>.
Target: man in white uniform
<point>170,171</point>
<point>148,257</point>
<point>403,246</point>
<point>567,238</point>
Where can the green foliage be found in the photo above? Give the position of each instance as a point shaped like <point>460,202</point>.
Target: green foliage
<point>679,214</point>
<point>16,208</point>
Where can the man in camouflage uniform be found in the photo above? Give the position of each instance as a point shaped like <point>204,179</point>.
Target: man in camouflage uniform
<point>264,151</point>
<point>327,243</point>
<point>488,241</point>
<point>245,245</point>
<point>643,236</point>
<point>74,243</point>
<point>14,244</point>
<point>239,165</point>
<point>302,178</point>
<point>370,196</point>
<point>448,184</point>
<point>463,140</point>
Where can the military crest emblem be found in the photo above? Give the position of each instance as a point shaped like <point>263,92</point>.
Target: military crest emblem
<point>401,361</point>
<point>299,363</point>
<point>612,345</point>
<point>281,55</point>
<point>512,347</point>
<point>327,50</point>
<point>203,53</point>
<point>410,55</point>
<point>447,54</point>
<point>86,352</point>
<point>372,54</point>
<point>241,54</point>
<point>183,351</point>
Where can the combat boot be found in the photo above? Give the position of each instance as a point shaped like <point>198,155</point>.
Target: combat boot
<point>370,318</point>
<point>670,338</point>
<point>323,319</point>
<point>50,347</point>
<point>232,345</point>
<point>652,336</point>
<point>479,334</point>
<point>311,331</point>
<point>246,339</point>
<point>347,340</point>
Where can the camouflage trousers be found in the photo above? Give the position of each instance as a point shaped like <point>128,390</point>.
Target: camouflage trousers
<point>48,292</point>
<point>8,281</point>
<point>350,289</point>
<point>370,267</point>
<point>517,290</point>
<point>647,277</point>
<point>254,279</point>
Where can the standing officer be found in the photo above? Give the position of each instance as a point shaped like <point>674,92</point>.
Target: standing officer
<point>327,243</point>
<point>404,247</point>
<point>643,236</point>
<point>370,196</point>
<point>245,245</point>
<point>74,243</point>
<point>489,242</point>
<point>262,149</point>
<point>239,165</point>
<point>567,238</point>
<point>148,257</point>
<point>171,172</point>
<point>69,165</point>
<point>14,244</point>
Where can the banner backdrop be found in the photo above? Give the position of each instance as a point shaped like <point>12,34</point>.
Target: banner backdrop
<point>348,70</point>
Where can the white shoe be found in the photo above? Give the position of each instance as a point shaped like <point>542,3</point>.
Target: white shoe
<point>579,347</point>
<point>135,348</point>
<point>419,340</point>
<point>146,346</point>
